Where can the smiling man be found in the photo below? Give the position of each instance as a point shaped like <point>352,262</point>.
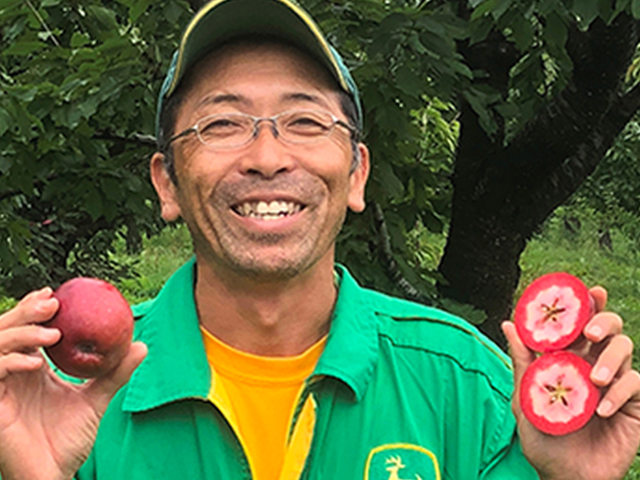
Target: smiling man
<point>261,358</point>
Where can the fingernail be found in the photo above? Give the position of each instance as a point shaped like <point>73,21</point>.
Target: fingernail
<point>44,306</point>
<point>595,331</point>
<point>605,408</point>
<point>602,374</point>
<point>50,333</point>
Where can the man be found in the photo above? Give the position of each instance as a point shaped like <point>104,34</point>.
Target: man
<point>265,360</point>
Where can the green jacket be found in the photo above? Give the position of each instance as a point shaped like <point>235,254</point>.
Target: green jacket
<point>401,391</point>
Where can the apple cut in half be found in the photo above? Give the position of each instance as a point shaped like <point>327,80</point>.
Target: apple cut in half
<point>552,312</point>
<point>556,393</point>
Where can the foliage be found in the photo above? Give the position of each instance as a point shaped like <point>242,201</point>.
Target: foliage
<point>615,186</point>
<point>78,82</point>
<point>160,257</point>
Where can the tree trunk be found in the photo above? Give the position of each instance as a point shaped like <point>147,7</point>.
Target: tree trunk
<point>503,193</point>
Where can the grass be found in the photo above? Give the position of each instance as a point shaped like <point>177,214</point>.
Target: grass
<point>580,253</point>
<point>160,257</point>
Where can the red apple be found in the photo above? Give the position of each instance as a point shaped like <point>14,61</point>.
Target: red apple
<point>553,311</point>
<point>97,328</point>
<point>556,393</point>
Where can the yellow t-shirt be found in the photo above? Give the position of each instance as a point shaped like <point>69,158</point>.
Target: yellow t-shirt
<point>262,394</point>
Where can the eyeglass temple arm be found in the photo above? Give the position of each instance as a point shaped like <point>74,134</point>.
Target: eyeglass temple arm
<point>165,145</point>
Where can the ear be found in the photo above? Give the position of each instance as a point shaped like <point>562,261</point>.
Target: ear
<point>165,188</point>
<point>358,180</point>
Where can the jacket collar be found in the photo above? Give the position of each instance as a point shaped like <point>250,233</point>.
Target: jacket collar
<point>351,352</point>
<point>176,366</point>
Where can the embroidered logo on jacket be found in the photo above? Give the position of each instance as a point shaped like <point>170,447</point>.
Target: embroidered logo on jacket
<point>401,461</point>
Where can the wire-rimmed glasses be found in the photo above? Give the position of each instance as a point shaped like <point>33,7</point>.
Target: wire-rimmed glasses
<point>232,130</point>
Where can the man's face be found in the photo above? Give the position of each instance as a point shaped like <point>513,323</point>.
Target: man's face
<point>223,194</point>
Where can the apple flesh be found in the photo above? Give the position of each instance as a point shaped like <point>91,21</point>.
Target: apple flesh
<point>96,323</point>
<point>552,312</point>
<point>556,393</point>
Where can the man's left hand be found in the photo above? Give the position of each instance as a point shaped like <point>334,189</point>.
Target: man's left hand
<point>605,448</point>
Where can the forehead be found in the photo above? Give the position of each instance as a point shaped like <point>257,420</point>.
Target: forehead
<point>258,72</point>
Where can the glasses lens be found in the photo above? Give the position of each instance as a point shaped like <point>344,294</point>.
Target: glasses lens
<point>225,130</point>
<point>303,126</point>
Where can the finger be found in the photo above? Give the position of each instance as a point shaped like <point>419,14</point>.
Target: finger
<point>520,354</point>
<point>599,295</point>
<point>603,325</point>
<point>26,338</point>
<point>613,361</point>
<point>102,389</point>
<point>37,307</point>
<point>19,362</point>
<point>622,391</point>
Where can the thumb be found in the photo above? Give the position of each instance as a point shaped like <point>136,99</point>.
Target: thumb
<point>521,356</point>
<point>101,390</point>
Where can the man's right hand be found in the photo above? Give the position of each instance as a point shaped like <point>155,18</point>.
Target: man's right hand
<point>47,426</point>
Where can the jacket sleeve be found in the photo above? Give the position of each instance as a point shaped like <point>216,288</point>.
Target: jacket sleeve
<point>510,464</point>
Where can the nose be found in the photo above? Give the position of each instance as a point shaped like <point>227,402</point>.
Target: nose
<point>266,155</point>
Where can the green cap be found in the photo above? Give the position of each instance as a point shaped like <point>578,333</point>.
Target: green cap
<point>222,20</point>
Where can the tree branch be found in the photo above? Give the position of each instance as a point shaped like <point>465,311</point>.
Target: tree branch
<point>568,176</point>
<point>601,56</point>
<point>136,138</point>
<point>389,263</point>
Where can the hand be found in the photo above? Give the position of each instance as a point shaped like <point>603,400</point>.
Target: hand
<point>47,426</point>
<point>606,446</point>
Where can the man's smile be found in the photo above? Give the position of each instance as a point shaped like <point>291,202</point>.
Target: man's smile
<point>267,210</point>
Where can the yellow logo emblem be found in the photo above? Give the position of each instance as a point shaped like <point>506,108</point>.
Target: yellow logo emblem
<point>401,461</point>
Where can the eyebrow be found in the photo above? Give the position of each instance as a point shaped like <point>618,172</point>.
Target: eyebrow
<point>221,98</point>
<point>236,99</point>
<point>305,97</point>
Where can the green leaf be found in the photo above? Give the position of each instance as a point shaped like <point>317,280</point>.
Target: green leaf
<point>635,8</point>
<point>106,19</point>
<point>79,40</point>
<point>138,8</point>
<point>5,121</point>
<point>480,29</point>
<point>393,23</point>
<point>6,4</point>
<point>390,182</point>
<point>586,10</point>
<point>522,32</point>
<point>501,8</point>
<point>408,81</point>
<point>23,47</point>
<point>483,9</point>
<point>93,204</point>
<point>605,9</point>
<point>555,31</point>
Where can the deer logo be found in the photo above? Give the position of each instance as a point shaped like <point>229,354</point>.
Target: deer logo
<point>401,461</point>
<point>395,465</point>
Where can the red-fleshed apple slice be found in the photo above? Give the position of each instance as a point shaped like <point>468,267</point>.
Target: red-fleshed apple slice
<point>556,393</point>
<point>97,328</point>
<point>552,312</point>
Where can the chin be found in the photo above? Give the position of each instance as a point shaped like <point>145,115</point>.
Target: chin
<point>272,267</point>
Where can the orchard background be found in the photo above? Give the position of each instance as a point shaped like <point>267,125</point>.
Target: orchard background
<point>504,139</point>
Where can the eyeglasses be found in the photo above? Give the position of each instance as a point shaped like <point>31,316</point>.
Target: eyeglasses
<point>233,130</point>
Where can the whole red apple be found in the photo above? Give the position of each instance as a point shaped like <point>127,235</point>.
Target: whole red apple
<point>96,324</point>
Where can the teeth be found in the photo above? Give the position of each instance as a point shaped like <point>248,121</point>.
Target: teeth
<point>268,211</point>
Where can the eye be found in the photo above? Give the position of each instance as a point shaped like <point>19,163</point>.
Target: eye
<point>220,125</point>
<point>308,123</point>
